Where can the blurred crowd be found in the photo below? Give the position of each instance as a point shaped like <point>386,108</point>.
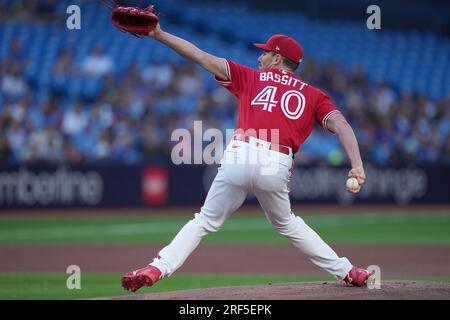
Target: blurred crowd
<point>133,117</point>
<point>30,11</point>
<point>393,128</point>
<point>131,120</point>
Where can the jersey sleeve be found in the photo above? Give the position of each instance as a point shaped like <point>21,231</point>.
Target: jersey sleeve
<point>324,109</point>
<point>238,76</point>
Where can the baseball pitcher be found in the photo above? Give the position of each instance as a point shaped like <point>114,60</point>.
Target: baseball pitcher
<point>276,113</point>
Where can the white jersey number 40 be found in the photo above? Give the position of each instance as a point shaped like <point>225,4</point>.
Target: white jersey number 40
<point>266,98</point>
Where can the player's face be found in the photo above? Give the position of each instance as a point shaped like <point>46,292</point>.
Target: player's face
<point>266,60</point>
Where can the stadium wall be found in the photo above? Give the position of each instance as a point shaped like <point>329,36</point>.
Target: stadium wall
<point>141,186</point>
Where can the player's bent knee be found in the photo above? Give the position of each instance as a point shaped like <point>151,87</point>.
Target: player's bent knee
<point>207,224</point>
<point>288,226</point>
<point>284,230</point>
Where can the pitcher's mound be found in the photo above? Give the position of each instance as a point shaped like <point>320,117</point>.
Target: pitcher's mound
<point>306,290</point>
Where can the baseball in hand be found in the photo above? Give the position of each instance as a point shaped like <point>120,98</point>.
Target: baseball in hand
<point>352,184</point>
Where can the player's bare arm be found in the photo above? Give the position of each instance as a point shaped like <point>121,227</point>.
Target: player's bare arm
<point>339,125</point>
<point>189,51</point>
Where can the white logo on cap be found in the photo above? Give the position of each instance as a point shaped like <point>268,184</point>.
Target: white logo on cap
<point>277,48</point>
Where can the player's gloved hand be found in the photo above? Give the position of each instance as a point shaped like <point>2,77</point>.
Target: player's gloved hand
<point>155,32</point>
<point>139,22</point>
<point>358,174</point>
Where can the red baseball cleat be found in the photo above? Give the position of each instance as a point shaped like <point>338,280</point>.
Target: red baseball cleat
<point>147,276</point>
<point>357,277</point>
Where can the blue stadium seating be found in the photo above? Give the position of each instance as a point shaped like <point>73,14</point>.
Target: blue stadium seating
<point>408,60</point>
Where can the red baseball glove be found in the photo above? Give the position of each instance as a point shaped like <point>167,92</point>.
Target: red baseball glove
<point>136,21</point>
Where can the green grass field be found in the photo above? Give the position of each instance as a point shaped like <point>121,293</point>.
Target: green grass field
<point>52,286</point>
<point>388,228</point>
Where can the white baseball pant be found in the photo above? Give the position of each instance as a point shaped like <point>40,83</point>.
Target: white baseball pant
<point>251,167</point>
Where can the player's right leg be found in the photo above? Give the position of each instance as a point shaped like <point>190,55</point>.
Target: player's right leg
<point>276,206</point>
<point>272,193</point>
<point>223,199</point>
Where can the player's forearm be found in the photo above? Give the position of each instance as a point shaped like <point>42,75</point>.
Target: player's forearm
<point>350,144</point>
<point>181,46</point>
<point>189,51</point>
<point>348,140</point>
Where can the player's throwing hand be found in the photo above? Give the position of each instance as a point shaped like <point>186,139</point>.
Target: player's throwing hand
<point>358,174</point>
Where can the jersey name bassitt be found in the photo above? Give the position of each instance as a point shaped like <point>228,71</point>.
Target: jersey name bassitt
<point>284,79</point>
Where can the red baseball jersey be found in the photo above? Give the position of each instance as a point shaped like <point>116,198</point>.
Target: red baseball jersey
<point>276,99</point>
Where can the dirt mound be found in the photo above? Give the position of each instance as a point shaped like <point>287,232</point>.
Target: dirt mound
<point>390,290</point>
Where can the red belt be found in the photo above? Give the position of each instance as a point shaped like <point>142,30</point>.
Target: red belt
<point>275,147</point>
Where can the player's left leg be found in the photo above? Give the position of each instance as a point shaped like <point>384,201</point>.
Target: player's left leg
<point>227,193</point>
<point>222,200</point>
